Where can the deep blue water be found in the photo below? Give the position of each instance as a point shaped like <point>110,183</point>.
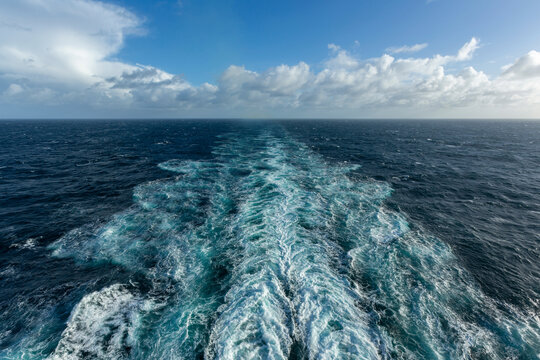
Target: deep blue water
<point>269,240</point>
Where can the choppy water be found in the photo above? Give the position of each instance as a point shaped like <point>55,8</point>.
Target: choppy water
<point>294,240</point>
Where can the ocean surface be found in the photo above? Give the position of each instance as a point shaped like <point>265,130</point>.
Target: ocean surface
<point>269,240</point>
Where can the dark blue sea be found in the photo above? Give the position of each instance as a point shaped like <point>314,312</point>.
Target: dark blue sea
<point>269,239</point>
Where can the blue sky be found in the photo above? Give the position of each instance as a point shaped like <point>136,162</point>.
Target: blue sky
<point>239,58</point>
<point>202,38</point>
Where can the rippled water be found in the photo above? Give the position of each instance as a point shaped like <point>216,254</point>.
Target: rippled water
<point>294,240</point>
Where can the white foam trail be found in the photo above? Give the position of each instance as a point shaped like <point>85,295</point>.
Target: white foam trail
<point>260,319</point>
<point>255,322</point>
<point>101,326</point>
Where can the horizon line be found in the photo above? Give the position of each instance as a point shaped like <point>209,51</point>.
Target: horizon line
<point>268,119</point>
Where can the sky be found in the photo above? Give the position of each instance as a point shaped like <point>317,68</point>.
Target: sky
<point>269,59</point>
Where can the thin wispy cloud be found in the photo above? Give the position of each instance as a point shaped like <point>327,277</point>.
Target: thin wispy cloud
<point>407,49</point>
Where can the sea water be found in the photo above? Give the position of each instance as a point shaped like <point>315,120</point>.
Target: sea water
<point>270,240</point>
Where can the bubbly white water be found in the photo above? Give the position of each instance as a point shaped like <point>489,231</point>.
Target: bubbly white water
<point>101,326</point>
<point>268,252</point>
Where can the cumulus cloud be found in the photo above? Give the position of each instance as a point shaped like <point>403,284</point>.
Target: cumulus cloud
<point>57,55</point>
<point>525,67</point>
<point>150,87</point>
<point>278,86</point>
<point>407,48</point>
<point>62,41</point>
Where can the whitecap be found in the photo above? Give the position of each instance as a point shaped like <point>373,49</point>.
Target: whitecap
<point>102,326</point>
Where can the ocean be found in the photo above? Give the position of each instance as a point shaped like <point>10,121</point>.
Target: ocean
<point>299,239</point>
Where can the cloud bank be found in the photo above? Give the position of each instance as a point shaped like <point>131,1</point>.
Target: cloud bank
<point>57,59</point>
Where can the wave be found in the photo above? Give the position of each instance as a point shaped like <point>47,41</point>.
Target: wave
<point>269,252</point>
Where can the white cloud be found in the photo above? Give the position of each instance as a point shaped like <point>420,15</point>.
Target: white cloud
<point>389,82</point>
<point>149,87</point>
<point>62,41</point>
<point>467,51</point>
<point>56,58</point>
<point>525,67</point>
<point>13,90</point>
<point>407,49</point>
